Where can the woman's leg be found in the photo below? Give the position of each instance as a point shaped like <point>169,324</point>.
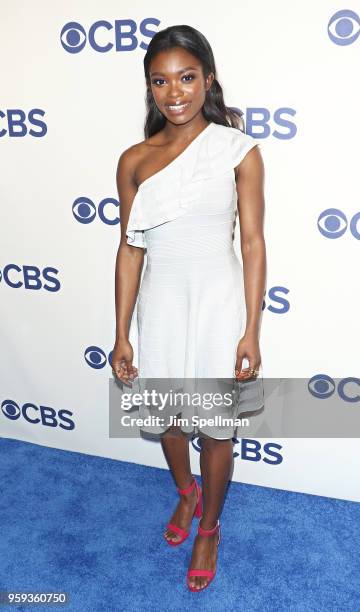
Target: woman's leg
<point>216,462</point>
<point>175,445</point>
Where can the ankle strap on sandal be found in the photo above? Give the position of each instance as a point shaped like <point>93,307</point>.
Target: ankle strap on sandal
<point>208,532</point>
<point>189,488</point>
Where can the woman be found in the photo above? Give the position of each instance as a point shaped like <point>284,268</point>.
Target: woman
<point>179,190</point>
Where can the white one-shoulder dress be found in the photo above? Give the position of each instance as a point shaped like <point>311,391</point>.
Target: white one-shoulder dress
<point>191,309</point>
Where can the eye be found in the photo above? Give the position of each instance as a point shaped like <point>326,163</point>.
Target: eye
<point>10,409</point>
<point>332,223</point>
<point>73,37</point>
<point>192,76</point>
<point>188,78</point>
<point>95,357</point>
<point>84,210</point>
<point>321,386</point>
<point>344,27</point>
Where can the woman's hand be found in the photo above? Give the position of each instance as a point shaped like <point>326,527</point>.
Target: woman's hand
<point>248,347</point>
<point>122,357</point>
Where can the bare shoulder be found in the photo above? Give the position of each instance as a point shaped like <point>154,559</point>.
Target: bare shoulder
<point>133,157</point>
<point>128,162</point>
<point>251,165</point>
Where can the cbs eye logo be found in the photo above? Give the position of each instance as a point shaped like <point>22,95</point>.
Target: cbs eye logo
<point>85,210</point>
<point>323,386</point>
<point>332,223</point>
<point>30,277</point>
<point>103,36</point>
<point>38,415</point>
<point>96,358</point>
<point>250,450</point>
<point>344,28</point>
<point>11,410</point>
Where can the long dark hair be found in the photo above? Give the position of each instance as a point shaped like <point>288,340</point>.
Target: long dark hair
<point>194,42</point>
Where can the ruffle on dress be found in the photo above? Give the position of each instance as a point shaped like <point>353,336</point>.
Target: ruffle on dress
<point>172,191</point>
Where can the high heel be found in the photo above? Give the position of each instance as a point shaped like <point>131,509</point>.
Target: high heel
<point>204,572</point>
<point>197,512</point>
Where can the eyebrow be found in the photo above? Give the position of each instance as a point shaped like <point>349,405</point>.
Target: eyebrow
<point>178,72</point>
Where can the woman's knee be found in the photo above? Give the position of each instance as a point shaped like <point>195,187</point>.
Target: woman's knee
<point>208,443</point>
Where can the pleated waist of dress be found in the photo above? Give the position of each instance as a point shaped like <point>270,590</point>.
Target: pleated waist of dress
<point>192,238</point>
<point>217,260</point>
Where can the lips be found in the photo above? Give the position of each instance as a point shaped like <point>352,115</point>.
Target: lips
<point>178,108</point>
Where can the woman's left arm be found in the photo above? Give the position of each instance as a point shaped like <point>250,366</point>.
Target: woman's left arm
<point>249,176</point>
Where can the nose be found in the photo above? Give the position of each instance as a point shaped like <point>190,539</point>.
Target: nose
<point>175,90</point>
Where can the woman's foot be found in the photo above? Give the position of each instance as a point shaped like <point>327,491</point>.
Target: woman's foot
<point>183,515</point>
<point>204,556</point>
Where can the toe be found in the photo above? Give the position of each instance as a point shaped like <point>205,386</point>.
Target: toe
<point>170,535</point>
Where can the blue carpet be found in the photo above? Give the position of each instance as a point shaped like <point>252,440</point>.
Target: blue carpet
<point>93,527</point>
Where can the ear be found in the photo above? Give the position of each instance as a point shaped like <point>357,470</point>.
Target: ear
<point>209,80</point>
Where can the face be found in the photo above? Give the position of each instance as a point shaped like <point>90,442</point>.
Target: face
<point>178,84</point>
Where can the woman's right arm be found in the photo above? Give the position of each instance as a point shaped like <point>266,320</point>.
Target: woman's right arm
<point>129,263</point>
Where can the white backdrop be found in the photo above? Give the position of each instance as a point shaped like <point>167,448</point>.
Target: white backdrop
<point>66,116</point>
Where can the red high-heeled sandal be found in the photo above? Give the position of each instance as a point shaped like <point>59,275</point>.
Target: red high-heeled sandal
<point>204,572</point>
<point>197,512</point>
